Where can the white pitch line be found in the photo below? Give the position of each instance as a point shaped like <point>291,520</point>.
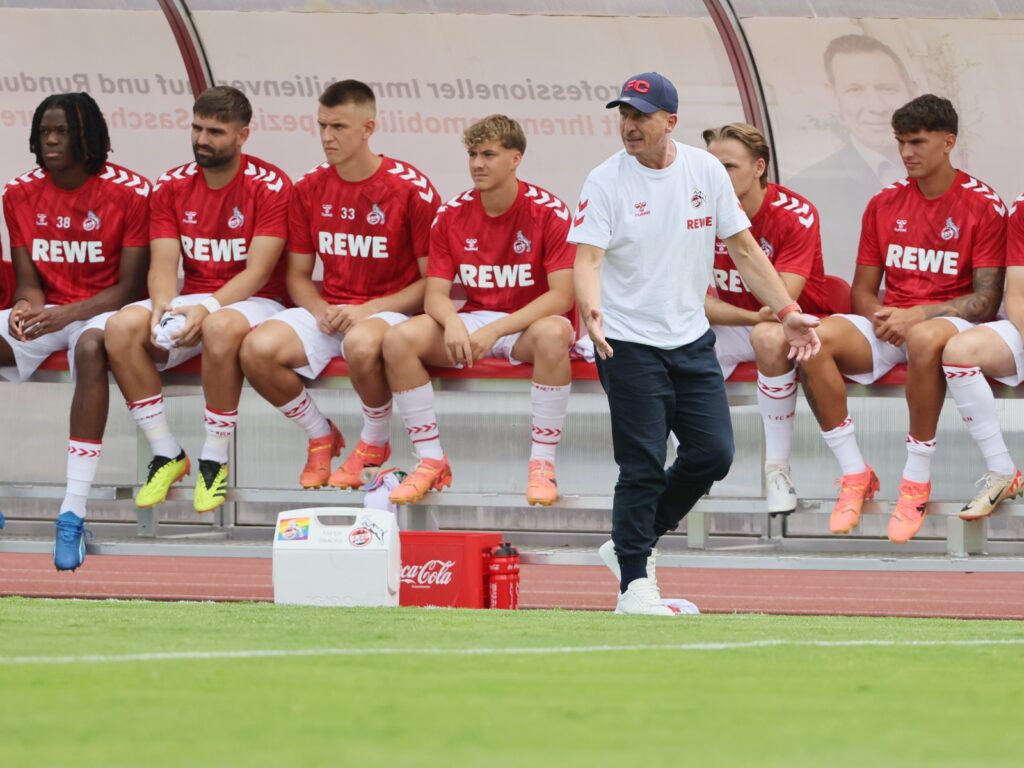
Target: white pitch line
<point>539,651</point>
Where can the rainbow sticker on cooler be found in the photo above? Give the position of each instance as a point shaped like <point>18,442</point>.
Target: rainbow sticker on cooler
<point>293,529</point>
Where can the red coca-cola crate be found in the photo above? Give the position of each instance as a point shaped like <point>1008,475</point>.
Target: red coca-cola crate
<point>446,569</point>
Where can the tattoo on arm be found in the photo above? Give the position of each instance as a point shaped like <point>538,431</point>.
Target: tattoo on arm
<point>977,307</point>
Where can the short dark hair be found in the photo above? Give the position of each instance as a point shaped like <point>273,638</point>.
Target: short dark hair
<point>224,103</point>
<point>90,139</point>
<point>926,113</point>
<point>347,92</point>
<point>858,43</point>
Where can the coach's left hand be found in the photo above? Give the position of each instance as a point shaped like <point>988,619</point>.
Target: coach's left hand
<point>799,331</point>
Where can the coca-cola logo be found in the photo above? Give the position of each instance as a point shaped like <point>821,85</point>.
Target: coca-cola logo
<point>429,574</point>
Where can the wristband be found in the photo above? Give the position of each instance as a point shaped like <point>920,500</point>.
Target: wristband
<point>794,307</point>
<point>212,305</point>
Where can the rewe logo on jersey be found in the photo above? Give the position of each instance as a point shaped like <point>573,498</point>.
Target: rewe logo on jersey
<point>922,259</point>
<point>375,216</point>
<point>67,251</point>
<point>214,248</point>
<point>237,219</point>
<point>92,222</point>
<point>496,275</point>
<point>950,231</point>
<point>729,280</point>
<point>521,245</point>
<point>347,244</point>
<point>701,223</point>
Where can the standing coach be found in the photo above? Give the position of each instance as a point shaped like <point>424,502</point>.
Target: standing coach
<point>645,233</point>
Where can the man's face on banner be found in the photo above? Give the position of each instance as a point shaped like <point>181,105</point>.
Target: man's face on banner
<point>869,87</point>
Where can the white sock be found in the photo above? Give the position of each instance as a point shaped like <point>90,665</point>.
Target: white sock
<point>417,409</point>
<point>150,416</point>
<point>977,406</point>
<point>220,426</point>
<point>843,442</point>
<point>83,461</point>
<point>376,424</point>
<point>919,460</point>
<point>303,411</point>
<point>549,406</point>
<point>776,398</point>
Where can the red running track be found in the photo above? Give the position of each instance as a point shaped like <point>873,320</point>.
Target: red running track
<point>955,595</point>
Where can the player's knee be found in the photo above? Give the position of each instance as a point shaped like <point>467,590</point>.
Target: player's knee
<point>122,331</point>
<point>551,338</point>
<point>926,340</point>
<point>768,341</point>
<point>90,354</point>
<point>962,349</point>
<point>396,344</point>
<point>259,349</point>
<point>363,345</point>
<point>224,332</point>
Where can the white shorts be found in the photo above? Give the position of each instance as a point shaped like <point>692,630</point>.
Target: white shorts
<point>255,310</point>
<point>502,348</point>
<point>320,347</point>
<point>732,346</point>
<point>1011,337</point>
<point>29,355</point>
<point>885,356</point>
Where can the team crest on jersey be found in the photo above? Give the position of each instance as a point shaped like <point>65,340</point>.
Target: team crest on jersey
<point>697,198</point>
<point>471,244</point>
<point>641,208</point>
<point>521,245</point>
<point>237,219</point>
<point>768,248</point>
<point>326,209</point>
<point>92,222</point>
<point>901,225</point>
<point>190,217</point>
<point>375,216</point>
<point>41,220</point>
<point>950,231</point>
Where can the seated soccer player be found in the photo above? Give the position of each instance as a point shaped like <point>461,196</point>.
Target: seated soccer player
<point>938,238</point>
<point>367,218</point>
<point>786,227</point>
<point>79,230</point>
<point>225,216</point>
<point>995,350</point>
<point>505,241</point>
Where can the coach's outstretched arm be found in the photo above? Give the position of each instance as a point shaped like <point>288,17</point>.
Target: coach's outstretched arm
<point>764,281</point>
<point>586,275</point>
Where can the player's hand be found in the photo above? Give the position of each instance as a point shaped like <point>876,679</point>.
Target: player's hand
<point>155,318</point>
<point>16,320</point>
<point>329,321</point>
<point>594,321</point>
<point>350,314</point>
<point>44,320</point>
<point>482,341</point>
<point>191,333</point>
<point>456,342</point>
<point>798,329</point>
<point>892,325</point>
<point>765,315</point>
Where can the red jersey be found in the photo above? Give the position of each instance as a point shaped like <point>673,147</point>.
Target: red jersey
<point>7,282</point>
<point>1015,234</point>
<point>788,231</point>
<point>216,226</point>
<point>503,262</point>
<point>369,233</point>
<point>75,236</point>
<point>930,248</point>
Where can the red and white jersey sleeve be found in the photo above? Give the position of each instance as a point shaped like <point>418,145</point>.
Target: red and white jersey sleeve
<point>6,282</point>
<point>368,234</point>
<point>75,237</point>
<point>216,226</point>
<point>1015,234</point>
<point>789,232</point>
<point>503,262</point>
<point>929,249</point>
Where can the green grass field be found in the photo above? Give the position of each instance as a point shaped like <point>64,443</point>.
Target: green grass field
<point>110,684</point>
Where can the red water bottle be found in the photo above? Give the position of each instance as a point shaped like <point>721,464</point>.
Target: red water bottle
<point>503,577</point>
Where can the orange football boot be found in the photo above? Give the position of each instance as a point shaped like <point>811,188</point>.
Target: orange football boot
<point>908,517</point>
<point>854,490</point>
<point>430,474</point>
<point>541,485</point>
<point>319,453</point>
<point>350,473</point>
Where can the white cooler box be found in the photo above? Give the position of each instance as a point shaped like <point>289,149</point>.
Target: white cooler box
<point>345,556</point>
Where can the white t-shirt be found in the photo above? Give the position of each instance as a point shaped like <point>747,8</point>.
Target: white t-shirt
<point>657,229</point>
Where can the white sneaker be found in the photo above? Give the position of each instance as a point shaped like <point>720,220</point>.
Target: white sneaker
<point>642,599</point>
<point>781,494</point>
<point>607,553</point>
<point>995,489</point>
